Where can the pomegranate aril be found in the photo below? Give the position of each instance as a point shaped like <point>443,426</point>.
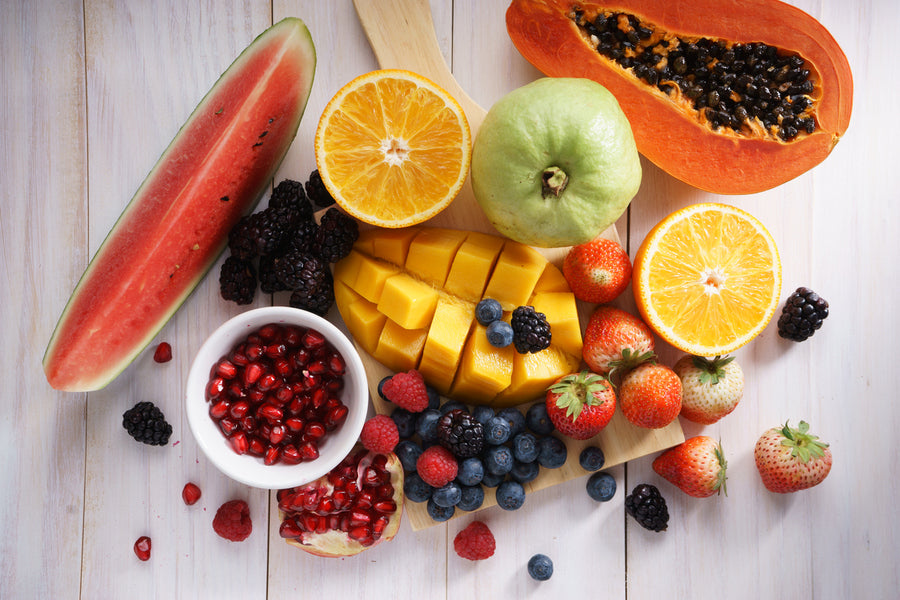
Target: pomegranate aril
<point>218,410</point>
<point>239,357</point>
<point>248,423</point>
<point>334,385</point>
<point>283,367</point>
<point>239,442</point>
<point>317,367</point>
<point>272,455</point>
<point>215,388</point>
<point>336,416</point>
<point>226,369</point>
<point>384,491</point>
<point>256,446</point>
<point>256,396</point>
<point>290,454</point>
<point>283,395</point>
<point>373,477</point>
<point>142,547</point>
<point>341,499</point>
<point>289,529</point>
<point>190,494</point>
<point>253,351</point>
<point>228,426</point>
<point>276,434</point>
<point>239,409</point>
<point>325,506</point>
<point>363,502</point>
<point>252,373</point>
<point>276,350</point>
<point>291,336</point>
<point>379,462</point>
<point>379,525</point>
<point>267,382</point>
<point>310,381</point>
<point>336,364</point>
<point>163,353</point>
<point>314,431</point>
<point>294,424</point>
<point>236,391</point>
<point>312,339</point>
<point>270,412</point>
<point>361,534</point>
<point>309,450</point>
<point>385,506</point>
<point>269,333</point>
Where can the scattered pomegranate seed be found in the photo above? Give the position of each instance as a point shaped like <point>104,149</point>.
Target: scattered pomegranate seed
<point>190,494</point>
<point>142,548</point>
<point>163,353</point>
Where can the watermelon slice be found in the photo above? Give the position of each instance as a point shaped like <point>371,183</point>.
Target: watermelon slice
<point>177,224</point>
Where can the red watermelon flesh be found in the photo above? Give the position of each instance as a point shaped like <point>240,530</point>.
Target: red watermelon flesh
<point>177,224</point>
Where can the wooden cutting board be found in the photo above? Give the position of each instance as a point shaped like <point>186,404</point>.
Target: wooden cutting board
<point>402,36</point>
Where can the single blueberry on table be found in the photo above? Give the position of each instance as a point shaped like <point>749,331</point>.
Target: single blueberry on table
<point>601,487</point>
<point>540,567</point>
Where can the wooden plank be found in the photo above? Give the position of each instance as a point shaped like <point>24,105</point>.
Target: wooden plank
<point>148,65</point>
<point>43,249</point>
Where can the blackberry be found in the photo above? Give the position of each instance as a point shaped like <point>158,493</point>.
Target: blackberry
<point>146,423</point>
<point>317,192</point>
<point>531,332</point>
<point>803,313</point>
<point>336,235</point>
<point>268,280</point>
<point>290,194</point>
<point>262,233</point>
<point>293,268</point>
<point>237,280</point>
<point>302,238</point>
<point>461,434</point>
<point>315,294</point>
<point>648,507</point>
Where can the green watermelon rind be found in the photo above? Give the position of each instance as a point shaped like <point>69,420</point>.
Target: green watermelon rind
<point>99,376</point>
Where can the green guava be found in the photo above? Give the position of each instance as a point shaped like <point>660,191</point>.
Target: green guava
<point>554,162</point>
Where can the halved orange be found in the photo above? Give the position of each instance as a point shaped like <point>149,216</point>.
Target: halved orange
<point>707,279</point>
<point>393,148</point>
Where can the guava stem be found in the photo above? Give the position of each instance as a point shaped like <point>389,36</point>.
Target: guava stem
<point>553,181</point>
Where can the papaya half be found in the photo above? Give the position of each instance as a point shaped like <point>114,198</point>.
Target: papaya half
<point>729,96</point>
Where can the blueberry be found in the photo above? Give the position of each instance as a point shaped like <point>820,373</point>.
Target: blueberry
<point>406,422</point>
<point>540,567</point>
<point>510,495</point>
<point>491,480</point>
<point>408,452</point>
<point>483,414</point>
<point>498,460</point>
<point>487,311</point>
<point>426,424</point>
<point>537,419</point>
<point>499,334</point>
<point>525,447</point>
<point>601,487</point>
<point>591,458</point>
<point>524,472</point>
<point>496,431</point>
<point>447,496</point>
<point>472,497</point>
<point>381,387</point>
<point>416,489</point>
<point>453,405</point>
<point>515,417</point>
<point>552,452</point>
<point>439,513</point>
<point>471,471</point>
<point>434,397</point>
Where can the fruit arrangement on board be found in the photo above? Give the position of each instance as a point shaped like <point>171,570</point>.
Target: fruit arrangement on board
<point>496,361</point>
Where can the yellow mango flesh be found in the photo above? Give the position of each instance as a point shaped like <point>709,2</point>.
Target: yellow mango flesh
<point>408,297</point>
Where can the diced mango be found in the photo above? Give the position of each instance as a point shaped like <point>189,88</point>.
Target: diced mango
<point>392,245</point>
<point>408,302</point>
<point>551,280</point>
<point>367,323</point>
<point>484,370</point>
<point>518,268</point>
<point>346,270</point>
<point>562,315</point>
<point>431,253</point>
<point>371,276</point>
<point>445,342</point>
<point>472,266</point>
<point>533,373</point>
<point>399,348</point>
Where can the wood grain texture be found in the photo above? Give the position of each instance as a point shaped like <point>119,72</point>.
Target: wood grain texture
<point>86,112</point>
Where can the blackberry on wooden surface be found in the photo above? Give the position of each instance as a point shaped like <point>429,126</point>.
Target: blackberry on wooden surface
<point>237,280</point>
<point>802,315</point>
<point>147,424</point>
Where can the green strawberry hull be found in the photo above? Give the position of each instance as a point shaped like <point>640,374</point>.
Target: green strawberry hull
<point>176,225</point>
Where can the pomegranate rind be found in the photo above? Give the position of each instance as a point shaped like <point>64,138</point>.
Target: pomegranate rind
<point>334,544</point>
<point>176,225</point>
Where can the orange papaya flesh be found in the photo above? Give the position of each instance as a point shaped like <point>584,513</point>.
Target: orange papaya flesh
<point>633,47</point>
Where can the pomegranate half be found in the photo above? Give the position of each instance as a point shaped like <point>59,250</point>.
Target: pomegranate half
<point>355,506</point>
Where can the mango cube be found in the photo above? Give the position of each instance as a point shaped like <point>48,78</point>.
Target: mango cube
<point>371,276</point>
<point>399,348</point>
<point>392,245</point>
<point>517,270</point>
<point>562,315</point>
<point>551,280</point>
<point>472,266</point>
<point>484,370</point>
<point>408,302</point>
<point>445,342</point>
<point>431,253</point>
<point>534,373</point>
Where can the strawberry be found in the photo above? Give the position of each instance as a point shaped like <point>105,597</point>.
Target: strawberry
<point>615,340</point>
<point>597,271</point>
<point>581,405</point>
<point>650,395</point>
<point>789,459</point>
<point>696,466</point>
<point>711,388</point>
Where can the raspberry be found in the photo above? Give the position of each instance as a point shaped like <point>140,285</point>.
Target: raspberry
<point>232,521</point>
<point>475,542</point>
<point>437,466</point>
<point>380,434</point>
<point>407,390</point>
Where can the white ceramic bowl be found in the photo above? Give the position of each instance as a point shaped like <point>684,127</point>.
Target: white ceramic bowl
<point>250,469</point>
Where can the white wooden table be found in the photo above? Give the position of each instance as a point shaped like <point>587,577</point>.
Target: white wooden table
<point>91,92</point>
